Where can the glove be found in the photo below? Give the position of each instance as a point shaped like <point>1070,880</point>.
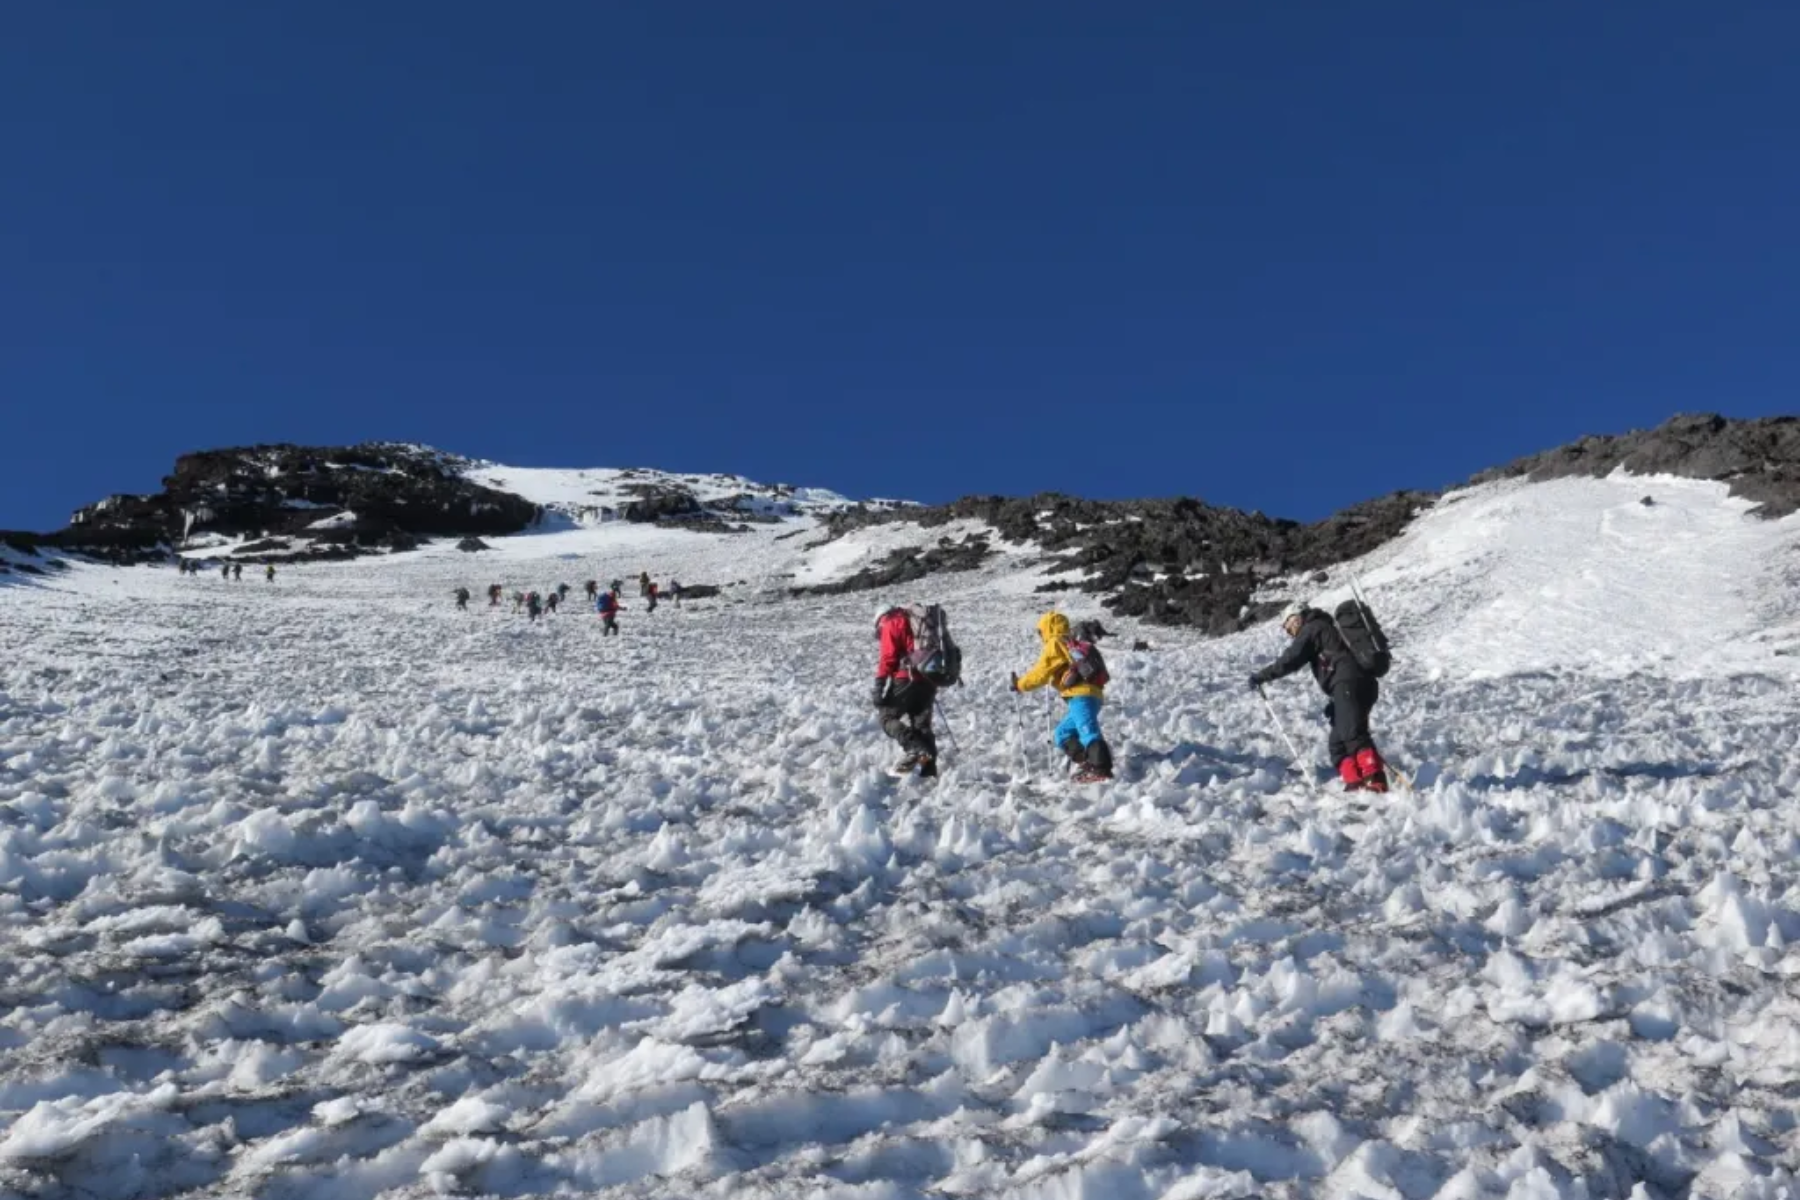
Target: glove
<point>879,696</point>
<point>1256,681</point>
<point>1013,684</point>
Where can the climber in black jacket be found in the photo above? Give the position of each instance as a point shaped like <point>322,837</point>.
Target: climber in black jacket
<point>1353,691</point>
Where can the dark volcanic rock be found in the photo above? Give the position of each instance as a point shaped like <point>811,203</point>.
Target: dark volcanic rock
<point>907,565</point>
<point>1171,562</point>
<point>472,545</point>
<point>676,507</point>
<point>28,557</point>
<point>1184,562</point>
<point>1759,459</point>
<point>266,546</point>
<point>655,502</point>
<point>22,542</point>
<point>332,501</point>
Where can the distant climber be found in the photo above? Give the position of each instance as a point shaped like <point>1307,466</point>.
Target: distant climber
<point>462,599</point>
<point>495,591</point>
<point>1072,664</point>
<point>534,605</point>
<point>607,605</point>
<point>269,572</point>
<point>551,601</point>
<point>1353,691</point>
<point>593,590</point>
<point>237,572</point>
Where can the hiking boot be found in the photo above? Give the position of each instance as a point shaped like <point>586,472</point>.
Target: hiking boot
<point>921,762</point>
<point>1099,760</point>
<point>1371,770</point>
<point>1093,775</point>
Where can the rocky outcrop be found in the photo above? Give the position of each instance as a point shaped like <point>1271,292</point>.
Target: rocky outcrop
<point>658,502</point>
<point>302,502</point>
<point>909,564</point>
<point>1760,460</point>
<point>675,505</point>
<point>26,554</point>
<point>1185,562</point>
<point>1169,562</point>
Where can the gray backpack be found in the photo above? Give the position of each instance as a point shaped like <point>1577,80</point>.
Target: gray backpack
<point>936,658</point>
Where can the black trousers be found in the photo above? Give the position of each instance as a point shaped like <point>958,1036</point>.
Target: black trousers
<point>1352,700</point>
<point>906,717</point>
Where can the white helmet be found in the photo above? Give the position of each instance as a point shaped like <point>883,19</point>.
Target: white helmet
<point>1294,609</point>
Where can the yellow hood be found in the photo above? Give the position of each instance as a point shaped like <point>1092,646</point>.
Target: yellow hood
<point>1054,662</point>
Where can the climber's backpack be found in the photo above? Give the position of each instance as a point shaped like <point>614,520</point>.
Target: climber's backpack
<point>1363,637</point>
<point>1086,665</point>
<point>935,658</point>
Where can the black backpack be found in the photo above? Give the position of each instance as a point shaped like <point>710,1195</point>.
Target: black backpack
<point>936,658</point>
<point>1363,637</point>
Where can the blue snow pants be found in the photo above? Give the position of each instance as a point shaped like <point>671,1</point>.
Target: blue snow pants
<point>1081,721</point>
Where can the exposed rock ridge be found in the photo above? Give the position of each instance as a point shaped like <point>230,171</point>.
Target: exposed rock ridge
<point>302,501</point>
<point>1185,562</point>
<point>1759,459</point>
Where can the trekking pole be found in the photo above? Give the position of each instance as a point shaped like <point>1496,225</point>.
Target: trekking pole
<point>945,717</point>
<point>1281,728</point>
<point>1019,715</point>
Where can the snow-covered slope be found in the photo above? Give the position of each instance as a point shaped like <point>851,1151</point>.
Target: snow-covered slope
<point>594,496</point>
<point>1585,573</point>
<point>321,888</point>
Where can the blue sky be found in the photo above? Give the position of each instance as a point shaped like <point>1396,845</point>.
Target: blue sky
<point>1281,256</point>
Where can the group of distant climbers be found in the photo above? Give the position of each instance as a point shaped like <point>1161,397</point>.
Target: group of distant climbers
<point>605,601</point>
<point>1347,653</point>
<point>228,570</point>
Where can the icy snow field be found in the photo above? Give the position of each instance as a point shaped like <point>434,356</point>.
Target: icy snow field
<point>323,889</point>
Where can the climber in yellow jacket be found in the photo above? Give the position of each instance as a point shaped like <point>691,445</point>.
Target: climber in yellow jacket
<point>1071,663</point>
